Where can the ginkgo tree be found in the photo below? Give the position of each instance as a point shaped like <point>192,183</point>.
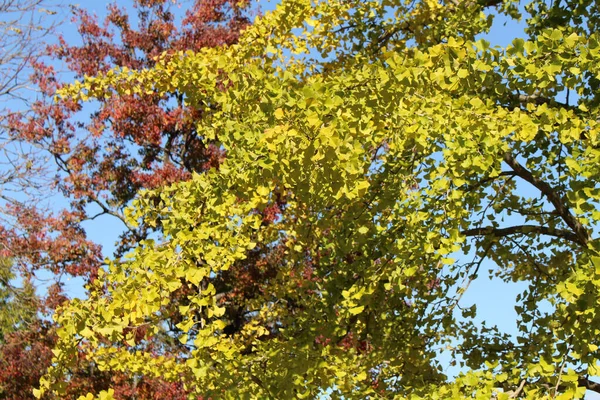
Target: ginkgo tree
<point>377,154</point>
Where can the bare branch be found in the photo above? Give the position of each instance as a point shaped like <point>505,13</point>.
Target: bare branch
<point>23,26</point>
<point>518,390</point>
<point>553,197</point>
<point>522,230</point>
<point>590,385</point>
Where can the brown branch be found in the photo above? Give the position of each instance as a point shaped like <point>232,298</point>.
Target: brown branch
<point>522,230</point>
<point>483,3</point>
<point>581,382</point>
<point>490,3</point>
<point>518,390</point>
<point>482,182</point>
<point>539,100</point>
<point>533,98</point>
<point>581,234</point>
<point>590,385</point>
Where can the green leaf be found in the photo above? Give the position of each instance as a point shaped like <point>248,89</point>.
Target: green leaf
<point>356,310</point>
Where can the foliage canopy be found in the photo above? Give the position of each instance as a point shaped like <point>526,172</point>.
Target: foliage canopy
<point>377,153</point>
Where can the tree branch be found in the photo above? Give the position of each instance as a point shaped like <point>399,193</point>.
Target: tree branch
<point>522,230</point>
<point>590,385</point>
<point>518,390</point>
<point>490,3</point>
<point>539,100</point>
<point>581,234</point>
